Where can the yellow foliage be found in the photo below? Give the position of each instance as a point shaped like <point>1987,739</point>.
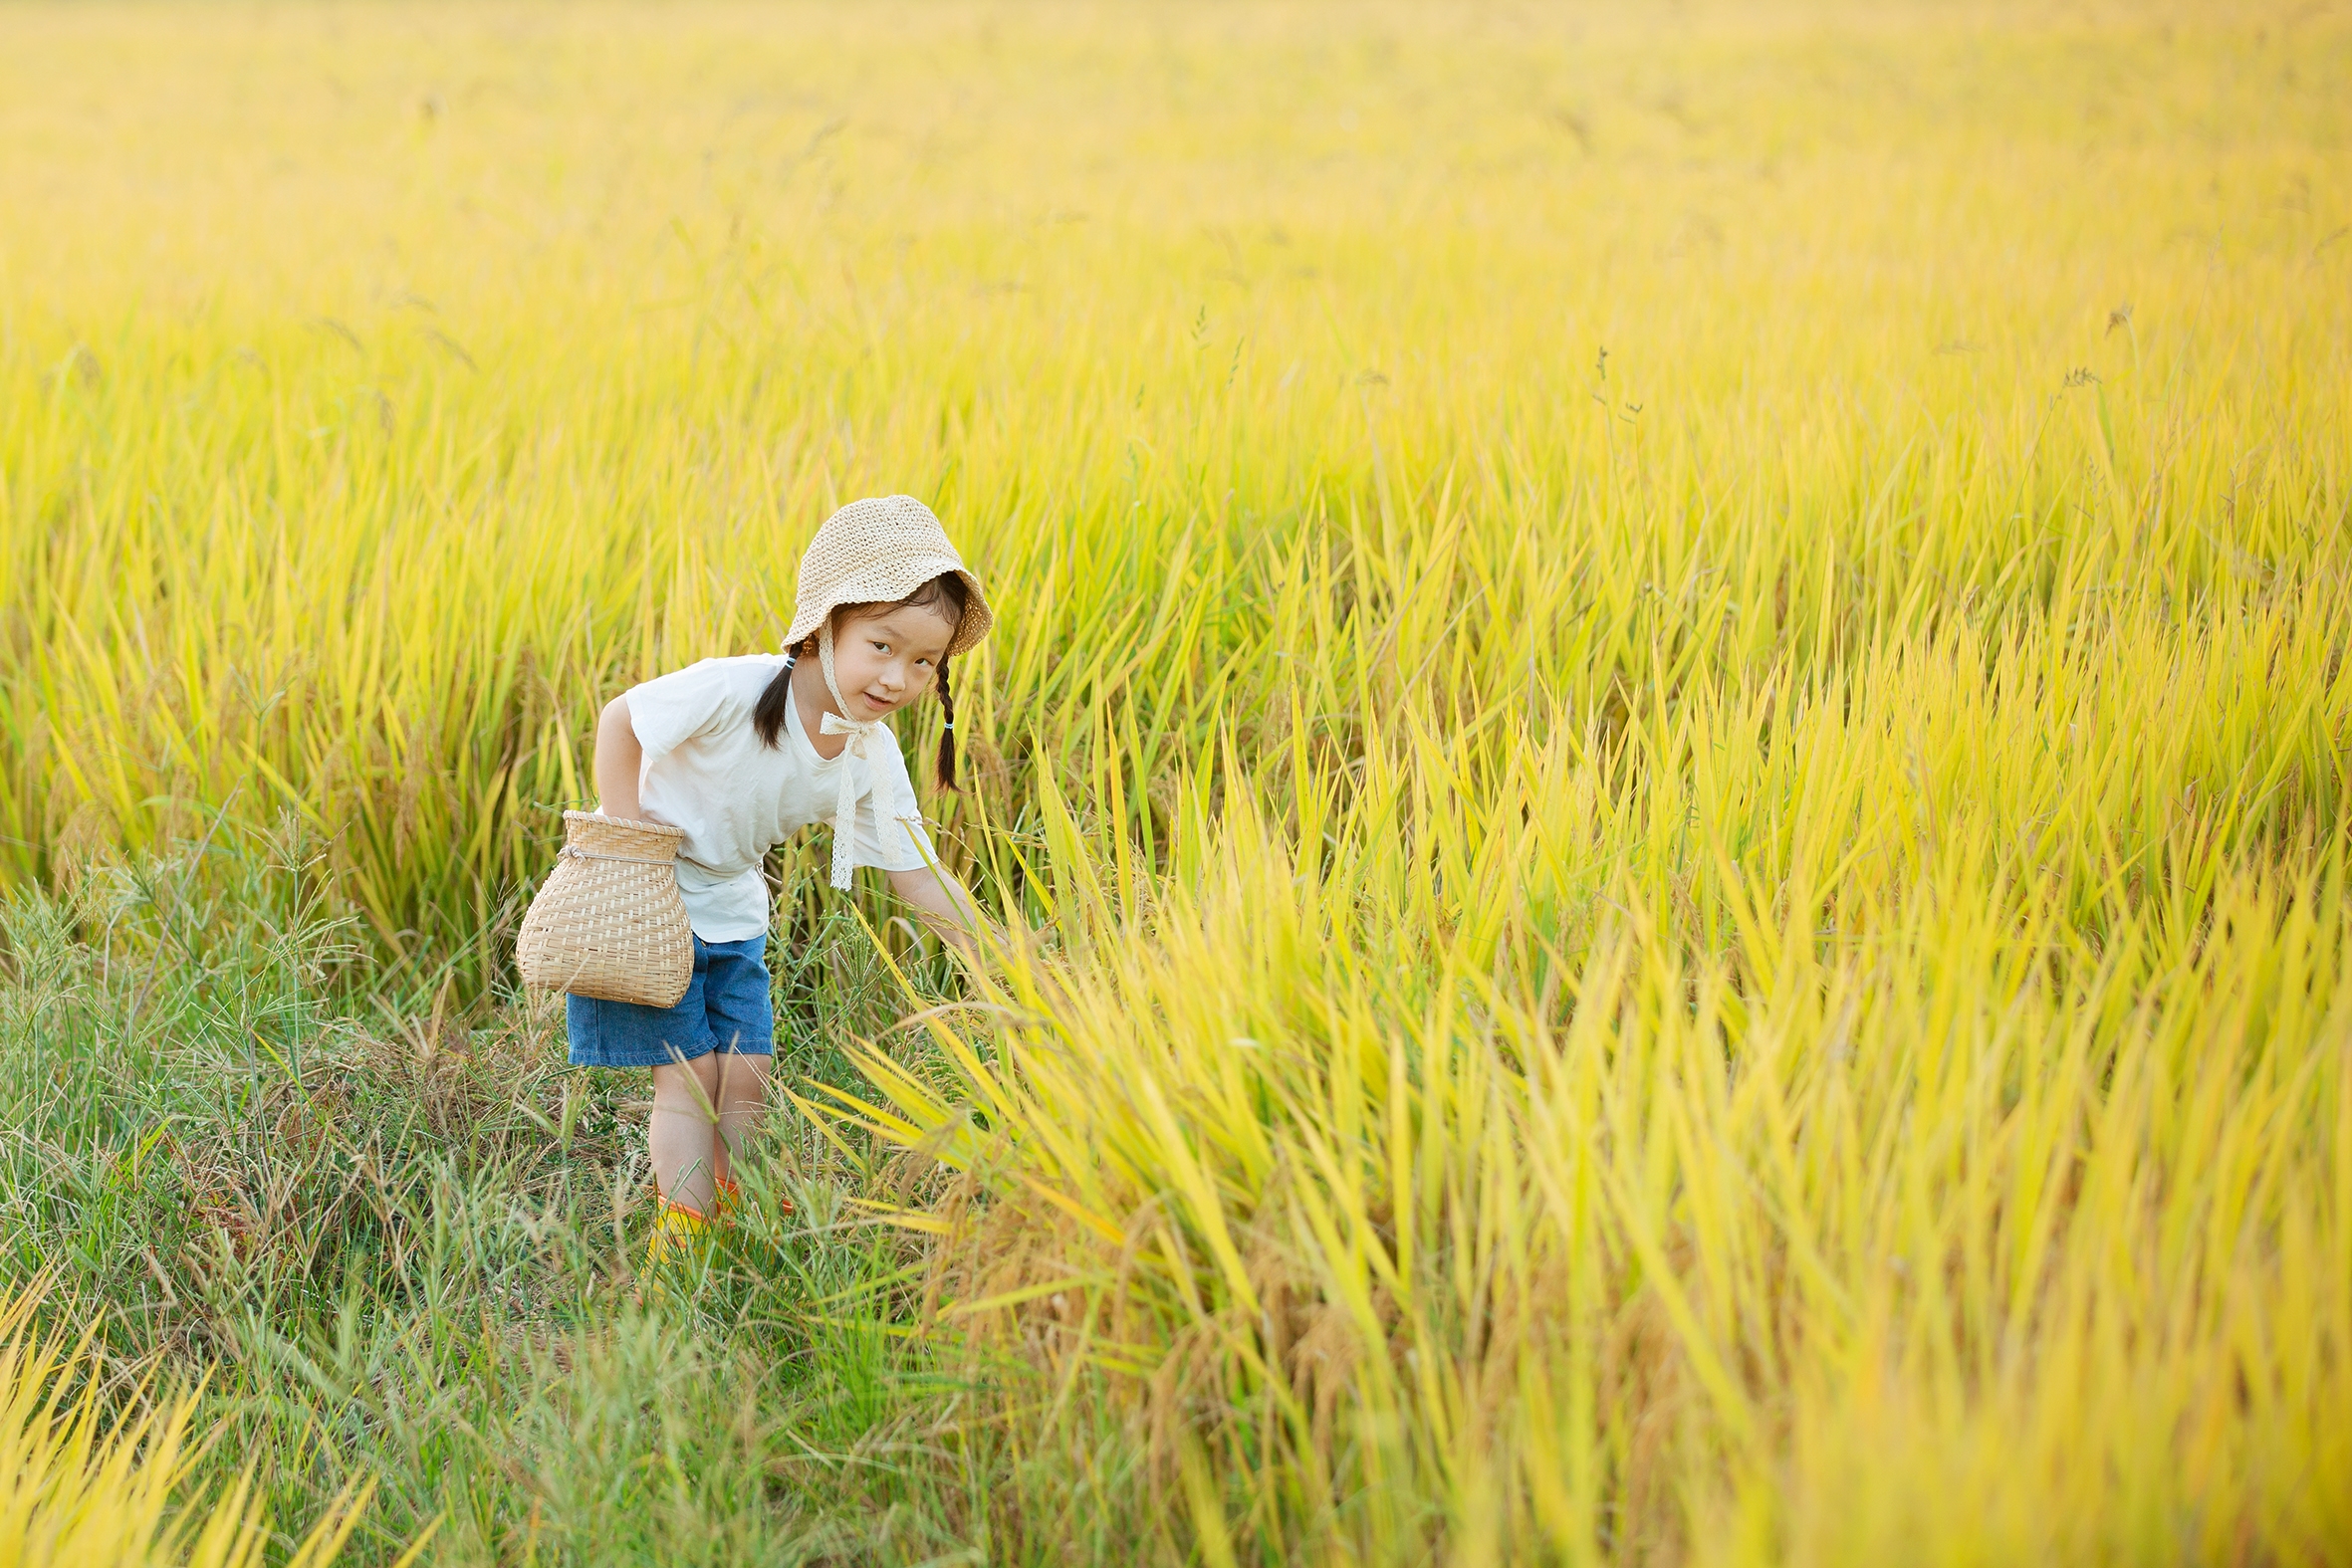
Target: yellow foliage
<point>81,1490</point>
<point>1676,681</point>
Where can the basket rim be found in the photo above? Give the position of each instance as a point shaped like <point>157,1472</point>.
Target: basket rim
<point>638,823</point>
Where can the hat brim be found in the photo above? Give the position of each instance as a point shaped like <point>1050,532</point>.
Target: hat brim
<point>888,584</point>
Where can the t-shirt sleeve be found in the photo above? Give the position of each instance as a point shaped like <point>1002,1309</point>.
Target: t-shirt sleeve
<point>701,699</point>
<point>890,831</point>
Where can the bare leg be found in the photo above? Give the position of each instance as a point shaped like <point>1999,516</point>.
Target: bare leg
<point>683,1138</point>
<point>743,1103</point>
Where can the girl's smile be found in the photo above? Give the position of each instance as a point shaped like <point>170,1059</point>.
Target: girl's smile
<point>880,662</point>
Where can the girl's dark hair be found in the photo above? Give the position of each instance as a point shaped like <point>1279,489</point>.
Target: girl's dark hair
<point>775,702</point>
<point>776,699</point>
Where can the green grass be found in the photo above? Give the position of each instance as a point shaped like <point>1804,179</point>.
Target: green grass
<point>406,1242</point>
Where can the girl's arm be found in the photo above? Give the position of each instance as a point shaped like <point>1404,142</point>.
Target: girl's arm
<point>944,905</point>
<point>619,759</point>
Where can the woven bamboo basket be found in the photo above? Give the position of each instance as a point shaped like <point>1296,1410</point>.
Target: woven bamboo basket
<point>608,921</point>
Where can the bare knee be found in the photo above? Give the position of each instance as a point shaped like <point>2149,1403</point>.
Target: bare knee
<point>743,1099</point>
<point>744,1080</point>
<point>687,1088</point>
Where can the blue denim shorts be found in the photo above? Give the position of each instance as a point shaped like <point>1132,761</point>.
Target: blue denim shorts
<point>726,1007</point>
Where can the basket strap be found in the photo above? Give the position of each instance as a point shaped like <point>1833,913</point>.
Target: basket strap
<point>570,854</point>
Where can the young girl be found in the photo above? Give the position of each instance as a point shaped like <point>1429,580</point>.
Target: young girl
<point>742,753</point>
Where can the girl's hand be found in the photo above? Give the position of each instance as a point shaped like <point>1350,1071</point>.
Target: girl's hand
<point>944,905</point>
<point>619,761</point>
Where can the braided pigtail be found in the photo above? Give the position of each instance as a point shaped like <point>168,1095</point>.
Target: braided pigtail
<point>776,700</point>
<point>946,764</point>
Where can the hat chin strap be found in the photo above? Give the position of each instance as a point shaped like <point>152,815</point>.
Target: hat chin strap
<point>849,787</point>
<point>825,659</point>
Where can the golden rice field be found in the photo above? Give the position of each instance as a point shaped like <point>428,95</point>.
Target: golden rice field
<point>1670,712</point>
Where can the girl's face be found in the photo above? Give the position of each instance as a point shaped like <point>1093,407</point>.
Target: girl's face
<point>883,662</point>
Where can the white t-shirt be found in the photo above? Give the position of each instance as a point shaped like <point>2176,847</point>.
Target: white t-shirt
<point>707,771</point>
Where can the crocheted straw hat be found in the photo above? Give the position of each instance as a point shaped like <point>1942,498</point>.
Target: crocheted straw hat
<point>877,551</point>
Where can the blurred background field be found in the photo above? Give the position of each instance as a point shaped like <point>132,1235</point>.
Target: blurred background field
<point>1671,705</point>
